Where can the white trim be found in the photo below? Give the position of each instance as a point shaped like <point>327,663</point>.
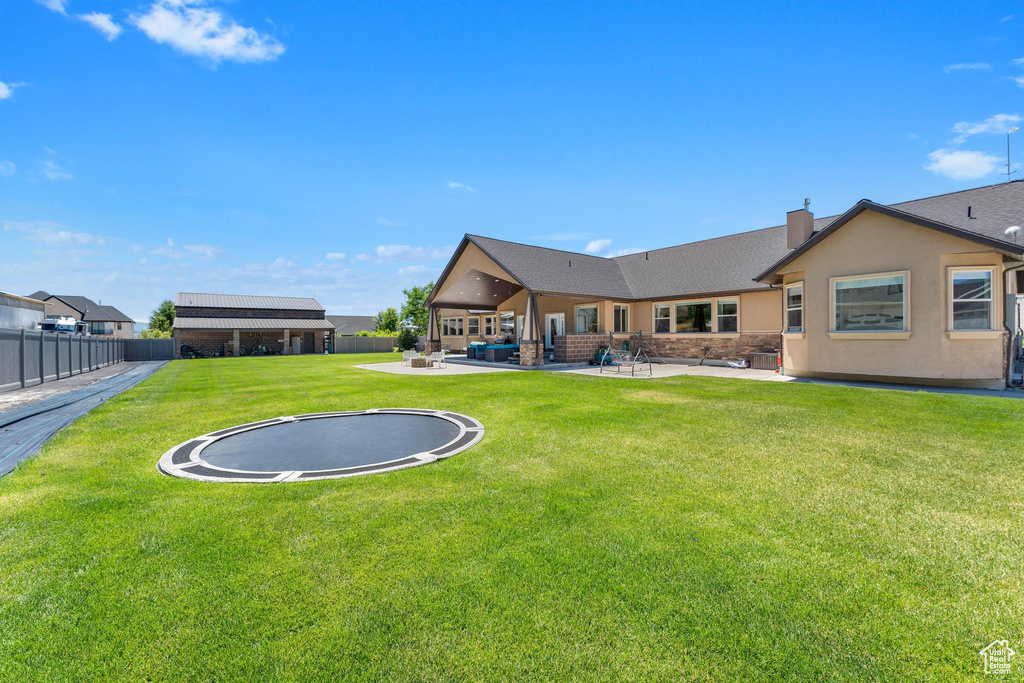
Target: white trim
<point>654,317</point>
<point>628,316</point>
<point>974,334</point>
<point>954,333</point>
<point>719,302</point>
<point>880,335</point>
<point>885,334</point>
<point>597,317</point>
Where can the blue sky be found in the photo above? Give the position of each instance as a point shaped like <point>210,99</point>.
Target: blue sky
<point>342,149</point>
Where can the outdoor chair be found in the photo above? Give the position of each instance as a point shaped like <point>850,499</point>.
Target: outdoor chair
<point>407,357</point>
<point>437,358</point>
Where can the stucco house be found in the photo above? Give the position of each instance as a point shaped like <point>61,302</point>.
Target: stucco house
<point>236,324</point>
<point>923,291</point>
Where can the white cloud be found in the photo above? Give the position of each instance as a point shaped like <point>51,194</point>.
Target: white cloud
<point>55,5</point>
<point>53,234</point>
<point>7,89</point>
<point>385,223</point>
<point>967,66</point>
<point>595,246</point>
<point>51,166</point>
<point>961,164</point>
<point>335,256</point>
<point>102,23</point>
<point>998,124</point>
<point>194,28</point>
<point>363,257</point>
<point>453,185</point>
<point>402,252</point>
<point>1008,17</point>
<point>414,270</point>
<point>627,251</point>
<point>6,168</point>
<point>204,251</point>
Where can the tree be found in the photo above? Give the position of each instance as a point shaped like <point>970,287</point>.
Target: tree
<point>406,339</point>
<point>387,320</point>
<point>414,310</point>
<point>161,322</point>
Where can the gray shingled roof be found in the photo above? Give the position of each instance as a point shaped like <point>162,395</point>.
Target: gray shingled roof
<point>550,270</point>
<point>277,303</point>
<point>729,263</point>
<point>90,311</point>
<point>352,324</point>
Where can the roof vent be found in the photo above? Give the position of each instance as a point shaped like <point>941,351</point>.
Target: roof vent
<point>799,226</point>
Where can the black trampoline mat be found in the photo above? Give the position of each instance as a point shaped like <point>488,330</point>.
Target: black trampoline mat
<point>330,442</point>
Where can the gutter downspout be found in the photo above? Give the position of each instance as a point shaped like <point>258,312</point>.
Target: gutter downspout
<point>782,338</point>
<point>1010,333</point>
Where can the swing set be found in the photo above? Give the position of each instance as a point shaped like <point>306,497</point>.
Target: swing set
<point>633,353</point>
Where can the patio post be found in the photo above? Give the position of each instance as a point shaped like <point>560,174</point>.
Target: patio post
<point>531,352</point>
<point>433,344</point>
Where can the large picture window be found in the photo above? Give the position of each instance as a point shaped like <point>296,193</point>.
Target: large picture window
<point>728,315</point>
<point>621,315</point>
<point>507,320</point>
<point>662,318</point>
<point>795,308</point>
<point>693,317</point>
<point>586,319</point>
<point>874,303</point>
<point>972,299</point>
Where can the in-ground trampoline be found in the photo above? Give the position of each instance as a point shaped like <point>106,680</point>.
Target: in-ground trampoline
<point>323,446</point>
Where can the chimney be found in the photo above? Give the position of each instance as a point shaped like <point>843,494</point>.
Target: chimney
<point>799,226</point>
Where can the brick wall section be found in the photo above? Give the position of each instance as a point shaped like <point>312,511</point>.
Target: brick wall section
<point>432,347</point>
<point>580,348</point>
<point>577,348</point>
<point>530,354</point>
<point>204,342</point>
<point>204,312</point>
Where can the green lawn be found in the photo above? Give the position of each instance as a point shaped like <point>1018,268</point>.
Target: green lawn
<point>612,529</point>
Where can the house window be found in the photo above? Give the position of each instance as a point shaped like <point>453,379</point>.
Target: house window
<point>693,317</point>
<point>795,308</point>
<point>873,303</point>
<point>507,322</point>
<point>473,326</point>
<point>586,319</point>
<point>489,326</point>
<point>451,327</point>
<point>972,299</point>
<point>662,318</point>
<point>119,326</point>
<point>621,318</point>
<point>728,315</point>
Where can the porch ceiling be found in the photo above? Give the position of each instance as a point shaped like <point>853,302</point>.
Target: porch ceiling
<point>477,290</point>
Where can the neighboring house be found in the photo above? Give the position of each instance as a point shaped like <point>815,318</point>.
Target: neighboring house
<point>20,312</point>
<point>105,321</point>
<point>833,293</point>
<point>231,325</point>
<point>351,325</point>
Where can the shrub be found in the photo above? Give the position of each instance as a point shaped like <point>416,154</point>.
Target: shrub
<point>406,339</point>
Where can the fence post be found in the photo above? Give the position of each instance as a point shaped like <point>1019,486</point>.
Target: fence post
<point>24,369</point>
<point>42,357</point>
<point>81,358</point>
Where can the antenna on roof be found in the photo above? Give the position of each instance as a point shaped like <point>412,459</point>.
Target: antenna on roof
<point>1008,171</point>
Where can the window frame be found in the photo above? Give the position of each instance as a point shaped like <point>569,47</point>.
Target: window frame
<point>490,325</point>
<point>719,315</point>
<point>870,334</point>
<point>501,323</point>
<point>597,318</point>
<point>469,325</point>
<point>450,324</point>
<point>694,302</point>
<point>615,319</point>
<point>655,318</point>
<point>786,307</point>
<point>950,300</point>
